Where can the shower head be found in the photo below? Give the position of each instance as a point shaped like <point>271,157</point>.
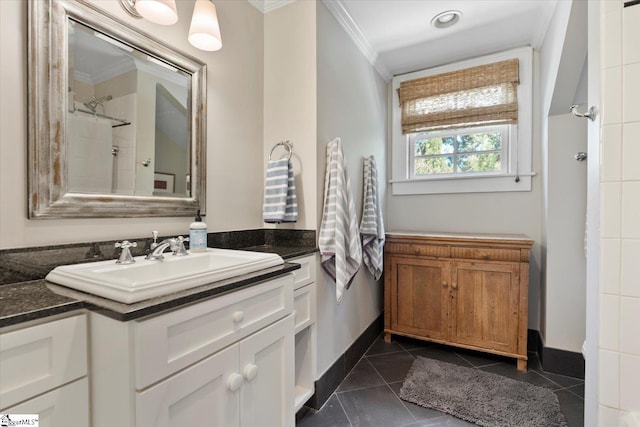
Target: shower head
<point>93,104</point>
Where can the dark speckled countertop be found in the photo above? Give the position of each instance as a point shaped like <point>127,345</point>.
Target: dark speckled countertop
<point>34,299</point>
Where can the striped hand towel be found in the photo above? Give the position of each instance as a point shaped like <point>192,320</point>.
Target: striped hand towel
<point>339,241</point>
<point>280,202</point>
<point>372,224</point>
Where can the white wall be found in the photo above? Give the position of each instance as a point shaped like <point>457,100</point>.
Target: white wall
<point>290,100</point>
<point>566,214</point>
<point>234,129</point>
<point>619,353</point>
<point>352,106</point>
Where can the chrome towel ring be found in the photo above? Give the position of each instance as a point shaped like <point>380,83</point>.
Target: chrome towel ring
<point>288,145</point>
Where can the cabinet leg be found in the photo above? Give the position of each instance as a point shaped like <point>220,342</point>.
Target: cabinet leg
<point>522,365</point>
<point>387,337</point>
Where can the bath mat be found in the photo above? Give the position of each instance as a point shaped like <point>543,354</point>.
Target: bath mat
<point>480,397</point>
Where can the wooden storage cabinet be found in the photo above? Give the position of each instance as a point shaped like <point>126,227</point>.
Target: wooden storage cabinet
<point>465,290</point>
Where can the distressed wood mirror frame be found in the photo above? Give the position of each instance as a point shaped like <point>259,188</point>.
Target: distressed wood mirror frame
<point>47,113</point>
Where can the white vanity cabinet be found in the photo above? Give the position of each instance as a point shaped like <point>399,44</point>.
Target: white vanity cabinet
<point>305,318</point>
<point>43,370</point>
<point>227,361</point>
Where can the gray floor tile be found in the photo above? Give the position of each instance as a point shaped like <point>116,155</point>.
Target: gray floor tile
<point>479,359</point>
<point>379,346</point>
<point>374,407</point>
<point>393,366</point>
<point>362,375</point>
<point>572,408</point>
<point>577,390</point>
<point>441,353</point>
<point>562,380</point>
<point>331,415</point>
<point>531,377</point>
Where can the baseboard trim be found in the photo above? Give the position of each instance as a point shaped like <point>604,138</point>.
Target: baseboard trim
<point>331,379</point>
<point>555,360</point>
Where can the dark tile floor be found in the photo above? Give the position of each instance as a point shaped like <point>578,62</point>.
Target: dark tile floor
<point>368,396</point>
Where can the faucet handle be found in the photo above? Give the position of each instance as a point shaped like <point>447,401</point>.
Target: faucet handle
<point>180,249</point>
<point>125,254</point>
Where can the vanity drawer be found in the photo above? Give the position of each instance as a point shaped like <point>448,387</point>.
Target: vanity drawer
<point>172,341</point>
<point>66,406</point>
<point>304,304</point>
<point>484,253</point>
<point>39,358</point>
<point>435,251</point>
<point>307,272</point>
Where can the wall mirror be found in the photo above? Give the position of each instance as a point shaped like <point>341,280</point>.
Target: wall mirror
<point>115,125</point>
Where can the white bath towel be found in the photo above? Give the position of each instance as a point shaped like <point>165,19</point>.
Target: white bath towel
<point>339,241</point>
<point>280,201</point>
<point>372,224</point>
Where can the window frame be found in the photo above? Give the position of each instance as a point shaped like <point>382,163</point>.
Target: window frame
<point>518,174</point>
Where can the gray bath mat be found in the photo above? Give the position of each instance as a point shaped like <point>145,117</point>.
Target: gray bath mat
<point>480,397</point>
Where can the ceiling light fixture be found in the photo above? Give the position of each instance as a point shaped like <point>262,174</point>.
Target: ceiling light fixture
<point>204,32</point>
<point>446,19</point>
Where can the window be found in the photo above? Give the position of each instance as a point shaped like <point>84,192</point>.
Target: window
<point>465,127</point>
<point>482,150</point>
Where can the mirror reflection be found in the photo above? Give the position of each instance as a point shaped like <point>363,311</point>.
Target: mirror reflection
<point>128,119</point>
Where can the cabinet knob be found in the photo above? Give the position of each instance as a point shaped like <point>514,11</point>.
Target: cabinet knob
<point>454,285</point>
<point>250,372</point>
<point>444,284</point>
<point>234,382</point>
<point>238,316</point>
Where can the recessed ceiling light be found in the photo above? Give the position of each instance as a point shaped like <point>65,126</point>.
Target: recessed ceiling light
<point>446,19</point>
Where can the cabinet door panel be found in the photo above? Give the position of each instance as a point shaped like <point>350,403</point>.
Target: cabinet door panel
<point>66,406</point>
<point>485,304</point>
<point>199,395</point>
<point>419,293</point>
<point>267,363</point>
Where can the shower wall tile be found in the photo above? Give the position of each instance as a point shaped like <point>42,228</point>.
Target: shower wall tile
<point>611,157</point>
<point>630,271</point>
<point>631,92</point>
<point>609,323</point>
<point>630,326</point>
<point>610,196</point>
<point>608,378</point>
<point>629,381</point>
<point>611,40</point>
<point>610,266</point>
<point>631,151</point>
<point>631,35</point>
<point>608,416</point>
<point>630,228</point>
<point>612,96</point>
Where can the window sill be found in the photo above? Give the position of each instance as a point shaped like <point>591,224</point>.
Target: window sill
<point>471,184</point>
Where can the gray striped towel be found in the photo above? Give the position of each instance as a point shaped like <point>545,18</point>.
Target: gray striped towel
<point>339,241</point>
<point>372,224</point>
<point>280,202</point>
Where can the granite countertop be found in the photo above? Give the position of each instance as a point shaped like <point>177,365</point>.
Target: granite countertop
<point>30,300</point>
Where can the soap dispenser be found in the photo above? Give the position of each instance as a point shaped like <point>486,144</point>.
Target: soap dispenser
<point>198,235</point>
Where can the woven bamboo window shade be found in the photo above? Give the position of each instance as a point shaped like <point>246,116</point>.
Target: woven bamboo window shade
<point>483,95</point>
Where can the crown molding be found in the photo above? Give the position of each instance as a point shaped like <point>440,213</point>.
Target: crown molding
<point>340,13</point>
<point>266,6</point>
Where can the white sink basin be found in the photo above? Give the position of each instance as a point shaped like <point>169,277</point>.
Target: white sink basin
<point>151,278</point>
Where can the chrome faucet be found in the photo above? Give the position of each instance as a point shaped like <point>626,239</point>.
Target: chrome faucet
<point>176,244</point>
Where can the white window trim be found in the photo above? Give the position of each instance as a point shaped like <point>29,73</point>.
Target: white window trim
<point>519,161</point>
